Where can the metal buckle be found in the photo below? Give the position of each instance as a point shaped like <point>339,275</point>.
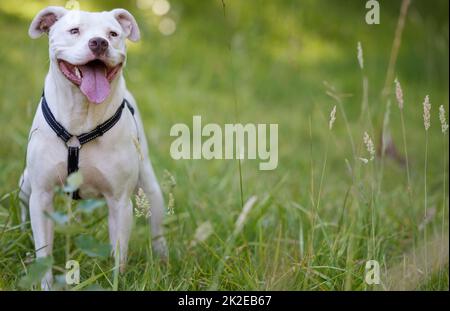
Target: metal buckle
<point>73,142</point>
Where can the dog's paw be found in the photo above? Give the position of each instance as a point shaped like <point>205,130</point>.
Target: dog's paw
<point>159,246</point>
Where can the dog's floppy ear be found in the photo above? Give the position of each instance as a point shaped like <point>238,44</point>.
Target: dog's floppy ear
<point>44,20</point>
<point>128,23</point>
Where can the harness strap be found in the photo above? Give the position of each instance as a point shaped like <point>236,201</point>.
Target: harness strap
<point>73,156</point>
<point>55,125</point>
<point>73,142</point>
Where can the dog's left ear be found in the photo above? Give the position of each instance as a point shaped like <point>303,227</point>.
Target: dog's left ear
<point>128,23</point>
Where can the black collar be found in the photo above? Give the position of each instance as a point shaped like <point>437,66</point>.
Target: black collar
<point>74,142</point>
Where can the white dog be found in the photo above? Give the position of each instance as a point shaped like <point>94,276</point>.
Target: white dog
<point>84,88</point>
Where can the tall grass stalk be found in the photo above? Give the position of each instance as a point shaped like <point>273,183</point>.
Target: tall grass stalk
<point>405,149</point>
<point>311,164</point>
<point>396,45</point>
<point>322,175</point>
<point>366,114</point>
<point>444,129</point>
<point>372,209</point>
<point>444,199</point>
<point>347,124</point>
<point>426,123</point>
<point>384,132</point>
<point>349,265</point>
<point>400,102</point>
<point>236,110</point>
<point>365,109</point>
<point>368,142</point>
<point>312,215</point>
<point>319,194</point>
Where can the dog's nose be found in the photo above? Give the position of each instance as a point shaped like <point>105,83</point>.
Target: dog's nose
<point>98,45</point>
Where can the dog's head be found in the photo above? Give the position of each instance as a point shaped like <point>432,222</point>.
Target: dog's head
<point>88,48</point>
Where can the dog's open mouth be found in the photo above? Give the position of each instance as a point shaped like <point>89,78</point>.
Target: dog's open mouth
<point>94,78</point>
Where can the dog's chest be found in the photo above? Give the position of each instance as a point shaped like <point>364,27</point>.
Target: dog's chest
<point>108,164</point>
<point>108,167</point>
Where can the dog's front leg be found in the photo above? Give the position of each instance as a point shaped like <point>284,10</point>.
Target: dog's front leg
<point>120,219</point>
<point>24,196</point>
<point>42,226</point>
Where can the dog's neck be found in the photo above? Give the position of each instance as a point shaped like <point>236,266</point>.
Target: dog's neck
<point>72,109</point>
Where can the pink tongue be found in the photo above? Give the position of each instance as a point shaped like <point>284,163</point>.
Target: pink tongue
<point>94,83</point>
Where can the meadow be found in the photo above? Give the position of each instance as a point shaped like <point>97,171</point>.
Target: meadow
<point>338,198</point>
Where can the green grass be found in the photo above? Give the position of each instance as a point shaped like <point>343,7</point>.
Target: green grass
<point>260,63</point>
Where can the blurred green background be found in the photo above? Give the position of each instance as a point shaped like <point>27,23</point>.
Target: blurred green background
<point>281,52</point>
<point>259,62</point>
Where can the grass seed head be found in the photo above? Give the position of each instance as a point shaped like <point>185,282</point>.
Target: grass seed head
<point>442,118</point>
<point>171,204</point>
<point>202,233</point>
<point>244,214</point>
<point>399,93</point>
<point>169,182</point>
<point>369,145</point>
<point>364,160</point>
<point>426,113</point>
<point>142,205</point>
<point>360,55</point>
<point>332,117</point>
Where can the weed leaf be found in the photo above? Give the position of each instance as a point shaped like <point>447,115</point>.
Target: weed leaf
<point>36,271</point>
<point>92,247</point>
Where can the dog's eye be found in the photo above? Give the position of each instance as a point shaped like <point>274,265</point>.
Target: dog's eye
<point>74,31</point>
<point>113,34</point>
